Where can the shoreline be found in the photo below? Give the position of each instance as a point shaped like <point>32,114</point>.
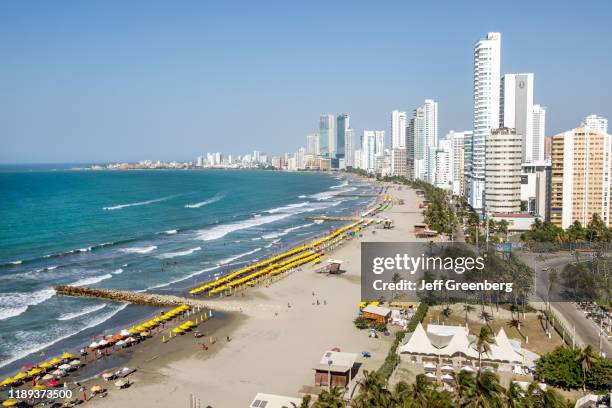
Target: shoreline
<point>266,346</point>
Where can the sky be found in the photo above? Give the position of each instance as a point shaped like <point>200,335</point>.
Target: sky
<point>108,81</point>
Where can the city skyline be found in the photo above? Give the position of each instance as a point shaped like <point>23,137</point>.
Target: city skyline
<point>108,92</point>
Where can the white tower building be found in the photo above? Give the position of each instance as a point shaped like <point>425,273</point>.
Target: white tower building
<point>398,129</point>
<point>487,64</point>
<point>516,109</point>
<point>595,122</point>
<point>539,132</point>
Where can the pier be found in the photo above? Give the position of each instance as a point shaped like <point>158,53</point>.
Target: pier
<point>327,218</point>
<point>150,299</point>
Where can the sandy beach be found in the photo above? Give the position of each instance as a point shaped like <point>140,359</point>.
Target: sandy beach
<point>273,347</point>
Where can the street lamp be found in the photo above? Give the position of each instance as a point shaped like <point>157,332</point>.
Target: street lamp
<point>329,364</point>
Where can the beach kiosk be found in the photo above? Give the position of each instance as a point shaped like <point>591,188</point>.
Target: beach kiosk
<point>262,400</point>
<point>378,314</point>
<point>337,368</point>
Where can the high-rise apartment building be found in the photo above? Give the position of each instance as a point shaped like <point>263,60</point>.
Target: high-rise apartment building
<point>534,187</point>
<point>487,64</point>
<point>368,150</point>
<point>596,122</point>
<point>327,136</point>
<point>380,141</point>
<point>399,162</point>
<point>539,133</point>
<point>516,108</point>
<point>398,129</point>
<point>580,180</point>
<point>349,148</point>
<point>458,155</point>
<point>430,108</point>
<point>343,123</point>
<point>312,144</point>
<point>444,164</point>
<point>416,132</point>
<point>503,156</point>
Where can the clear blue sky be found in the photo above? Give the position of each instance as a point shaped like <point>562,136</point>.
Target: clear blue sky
<point>90,81</point>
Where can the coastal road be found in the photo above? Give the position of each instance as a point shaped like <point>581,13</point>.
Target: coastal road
<point>586,331</point>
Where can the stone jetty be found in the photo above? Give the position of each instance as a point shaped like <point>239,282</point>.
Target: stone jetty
<point>151,299</point>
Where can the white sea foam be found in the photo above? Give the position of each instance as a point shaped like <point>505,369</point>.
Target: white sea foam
<point>288,207</point>
<point>284,232</point>
<point>222,230</point>
<point>179,253</point>
<point>91,280</point>
<point>139,250</point>
<point>171,232</point>
<point>302,196</point>
<point>183,278</point>
<point>117,271</point>
<point>30,342</point>
<point>16,303</point>
<point>16,262</point>
<point>120,206</point>
<point>233,258</point>
<point>83,312</point>
<point>271,244</point>
<point>211,200</point>
<point>340,185</point>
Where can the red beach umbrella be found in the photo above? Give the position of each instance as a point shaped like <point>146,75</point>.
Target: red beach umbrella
<point>53,383</point>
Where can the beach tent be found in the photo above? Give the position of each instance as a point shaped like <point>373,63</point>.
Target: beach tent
<point>502,350</point>
<point>418,343</point>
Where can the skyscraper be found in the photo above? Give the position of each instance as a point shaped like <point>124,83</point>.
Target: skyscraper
<point>342,125</point>
<point>431,138</point>
<point>417,135</point>
<point>516,109</point>
<point>458,156</point>
<point>487,63</point>
<point>368,150</point>
<point>580,179</point>
<point>327,135</point>
<point>503,151</point>
<point>398,129</point>
<point>444,164</point>
<point>596,122</point>
<point>539,132</point>
<point>380,141</point>
<point>349,148</point>
<point>312,144</point>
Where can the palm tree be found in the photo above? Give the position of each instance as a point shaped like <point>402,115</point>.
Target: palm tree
<point>396,279</point>
<point>330,399</point>
<point>486,317</point>
<point>489,393</point>
<point>465,387</point>
<point>587,358</point>
<point>538,398</point>
<point>516,323</point>
<point>305,402</point>
<point>373,392</point>
<point>467,308</point>
<point>483,344</point>
<point>515,397</point>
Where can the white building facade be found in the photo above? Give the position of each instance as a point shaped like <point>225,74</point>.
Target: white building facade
<point>487,65</point>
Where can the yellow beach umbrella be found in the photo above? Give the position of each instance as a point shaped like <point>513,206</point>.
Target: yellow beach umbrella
<point>177,330</point>
<point>20,376</point>
<point>46,364</point>
<point>34,371</point>
<point>140,328</point>
<point>55,361</point>
<point>10,403</point>
<point>66,356</point>
<point>133,330</point>
<point>7,381</point>
<point>39,387</point>
<point>144,334</point>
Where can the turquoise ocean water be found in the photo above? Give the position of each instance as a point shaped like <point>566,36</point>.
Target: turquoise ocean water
<point>160,231</point>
